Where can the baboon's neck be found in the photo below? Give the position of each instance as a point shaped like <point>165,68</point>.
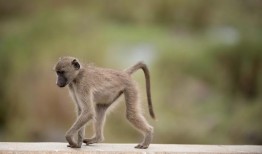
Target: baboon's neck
<point>79,76</point>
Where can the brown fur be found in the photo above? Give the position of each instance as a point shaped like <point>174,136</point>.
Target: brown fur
<point>94,89</point>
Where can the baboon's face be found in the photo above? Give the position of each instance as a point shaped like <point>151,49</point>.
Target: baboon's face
<point>66,69</point>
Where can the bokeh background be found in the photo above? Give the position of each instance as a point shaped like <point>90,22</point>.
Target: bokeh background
<point>205,59</point>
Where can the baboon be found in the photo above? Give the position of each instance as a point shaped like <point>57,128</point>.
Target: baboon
<point>94,89</point>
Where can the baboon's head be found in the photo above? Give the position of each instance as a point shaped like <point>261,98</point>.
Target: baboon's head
<point>67,68</point>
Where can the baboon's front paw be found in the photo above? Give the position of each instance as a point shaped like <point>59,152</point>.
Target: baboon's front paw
<point>74,146</point>
<point>139,146</point>
<point>91,140</point>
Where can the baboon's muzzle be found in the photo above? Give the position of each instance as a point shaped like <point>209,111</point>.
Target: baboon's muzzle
<point>61,82</point>
<point>61,85</point>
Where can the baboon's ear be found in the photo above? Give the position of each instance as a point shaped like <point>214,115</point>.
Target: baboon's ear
<point>76,64</point>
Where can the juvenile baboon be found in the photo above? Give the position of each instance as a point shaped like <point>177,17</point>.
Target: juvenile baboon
<point>94,89</point>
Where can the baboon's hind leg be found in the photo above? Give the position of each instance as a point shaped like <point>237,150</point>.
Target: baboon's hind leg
<point>136,118</point>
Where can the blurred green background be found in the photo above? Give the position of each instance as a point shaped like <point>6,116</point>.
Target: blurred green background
<point>205,59</point>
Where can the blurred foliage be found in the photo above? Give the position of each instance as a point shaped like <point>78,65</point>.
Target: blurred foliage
<point>205,59</point>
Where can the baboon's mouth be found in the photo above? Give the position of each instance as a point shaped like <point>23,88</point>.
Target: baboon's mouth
<point>61,86</point>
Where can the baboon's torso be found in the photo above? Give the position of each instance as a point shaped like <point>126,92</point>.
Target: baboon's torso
<point>109,84</point>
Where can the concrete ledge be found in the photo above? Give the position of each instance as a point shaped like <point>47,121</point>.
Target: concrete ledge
<point>60,148</point>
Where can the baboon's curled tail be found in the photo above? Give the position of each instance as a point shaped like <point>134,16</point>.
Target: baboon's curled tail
<point>143,66</point>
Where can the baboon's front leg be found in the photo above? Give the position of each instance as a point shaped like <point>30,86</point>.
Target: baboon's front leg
<point>98,126</point>
<point>81,132</point>
<point>80,136</point>
<point>87,113</point>
<point>80,122</point>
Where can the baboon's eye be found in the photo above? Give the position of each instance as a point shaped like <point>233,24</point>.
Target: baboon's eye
<point>60,72</point>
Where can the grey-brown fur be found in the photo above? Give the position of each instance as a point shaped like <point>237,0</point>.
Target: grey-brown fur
<point>94,89</point>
